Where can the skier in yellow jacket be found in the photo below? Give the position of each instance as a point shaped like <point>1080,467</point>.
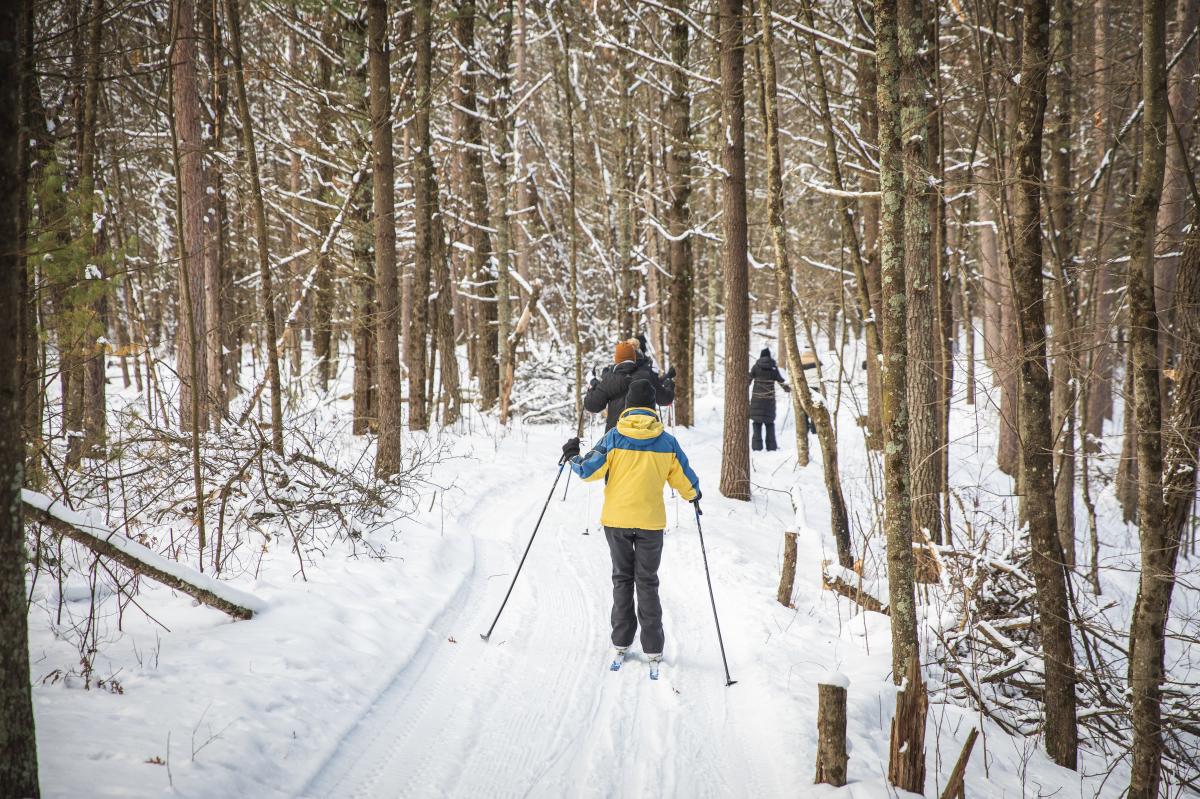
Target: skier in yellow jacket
<point>636,458</point>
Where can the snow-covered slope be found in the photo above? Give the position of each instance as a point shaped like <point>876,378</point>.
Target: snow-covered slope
<point>370,679</point>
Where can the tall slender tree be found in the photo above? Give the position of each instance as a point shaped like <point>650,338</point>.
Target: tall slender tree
<point>679,188</point>
<point>258,206</point>
<point>387,291</point>
<point>1147,642</point>
<point>922,376</point>
<point>18,743</point>
<point>897,512</point>
<point>423,191</point>
<point>1037,442</point>
<point>735,450</point>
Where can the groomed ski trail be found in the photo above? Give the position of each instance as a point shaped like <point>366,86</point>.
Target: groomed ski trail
<point>536,712</point>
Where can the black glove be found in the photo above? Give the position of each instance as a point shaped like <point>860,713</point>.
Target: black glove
<point>669,385</point>
<point>569,450</point>
<point>786,387</point>
<point>696,498</point>
<point>670,374</point>
<point>593,384</point>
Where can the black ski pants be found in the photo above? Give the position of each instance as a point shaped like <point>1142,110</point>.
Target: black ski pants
<point>635,558</point>
<point>756,440</point>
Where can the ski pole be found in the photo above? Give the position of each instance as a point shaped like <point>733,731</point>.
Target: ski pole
<point>561,464</point>
<point>728,680</point>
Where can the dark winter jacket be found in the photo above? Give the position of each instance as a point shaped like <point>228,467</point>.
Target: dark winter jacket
<point>764,374</point>
<point>608,393</point>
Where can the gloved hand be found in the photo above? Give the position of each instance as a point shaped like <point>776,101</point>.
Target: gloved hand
<point>569,450</point>
<point>669,385</point>
<point>696,498</point>
<point>595,382</point>
<point>787,389</point>
<point>670,375</point>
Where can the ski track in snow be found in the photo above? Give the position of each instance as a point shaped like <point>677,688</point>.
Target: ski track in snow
<point>536,712</point>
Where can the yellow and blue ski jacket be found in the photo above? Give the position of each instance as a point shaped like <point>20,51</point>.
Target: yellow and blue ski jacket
<point>637,456</point>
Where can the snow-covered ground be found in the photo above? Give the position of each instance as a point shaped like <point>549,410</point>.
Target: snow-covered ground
<point>370,678</point>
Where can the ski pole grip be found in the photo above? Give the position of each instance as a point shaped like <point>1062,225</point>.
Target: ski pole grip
<point>699,512</point>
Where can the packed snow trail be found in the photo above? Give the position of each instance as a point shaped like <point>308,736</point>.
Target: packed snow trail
<point>537,712</point>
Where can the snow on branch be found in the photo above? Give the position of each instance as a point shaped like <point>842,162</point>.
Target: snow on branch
<point>141,560</point>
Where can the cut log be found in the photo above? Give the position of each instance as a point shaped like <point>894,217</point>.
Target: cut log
<point>137,558</point>
<point>831,731</point>
<point>906,762</point>
<point>956,786</point>
<point>788,577</point>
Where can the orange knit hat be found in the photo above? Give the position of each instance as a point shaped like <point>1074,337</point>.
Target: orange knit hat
<point>626,351</point>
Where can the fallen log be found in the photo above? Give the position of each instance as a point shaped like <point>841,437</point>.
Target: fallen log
<point>836,579</point>
<point>139,559</point>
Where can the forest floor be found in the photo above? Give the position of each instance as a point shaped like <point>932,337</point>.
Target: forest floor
<point>369,678</point>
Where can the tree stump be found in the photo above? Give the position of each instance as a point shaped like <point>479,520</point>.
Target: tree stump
<point>788,577</point>
<point>831,731</point>
<point>906,763</point>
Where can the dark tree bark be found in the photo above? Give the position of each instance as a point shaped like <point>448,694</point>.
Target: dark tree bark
<point>1064,292</point>
<point>387,292</point>
<point>735,453</point>
<point>923,371</point>
<point>18,743</point>
<point>1147,631</point>
<point>897,499</point>
<point>423,190</point>
<point>214,221</point>
<point>322,290</point>
<point>503,225</point>
<point>1037,440</point>
<point>185,65</point>
<point>679,220</point>
<point>362,283</point>
<point>482,275</point>
<point>92,348</point>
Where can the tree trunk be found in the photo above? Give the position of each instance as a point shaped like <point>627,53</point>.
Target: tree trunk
<point>805,402</point>
<point>1064,291</point>
<point>1147,642</point>
<point>18,766</point>
<point>187,109</point>
<point>1172,211</point>
<point>214,222</point>
<point>362,282</point>
<point>387,456</point>
<point>735,451</point>
<point>897,500</point>
<point>483,277</point>
<point>869,126</point>
<point>679,219</point>
<point>1037,441</point>
<point>916,107</point>
<point>422,178</point>
<point>93,346</point>
<point>260,225</point>
<point>503,224</point>
<point>831,735</point>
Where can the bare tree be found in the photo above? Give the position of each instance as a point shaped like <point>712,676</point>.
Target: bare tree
<point>260,224</point>
<point>1037,469</point>
<point>735,450</point>
<point>18,766</point>
<point>1147,643</point>
<point>679,188</point>
<point>423,190</point>
<point>387,457</point>
<point>897,499</point>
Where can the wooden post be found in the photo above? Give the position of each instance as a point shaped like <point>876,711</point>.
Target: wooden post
<point>956,786</point>
<point>831,730</point>
<point>788,577</point>
<point>906,764</point>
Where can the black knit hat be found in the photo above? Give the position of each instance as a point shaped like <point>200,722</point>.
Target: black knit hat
<point>640,395</point>
<point>766,353</point>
